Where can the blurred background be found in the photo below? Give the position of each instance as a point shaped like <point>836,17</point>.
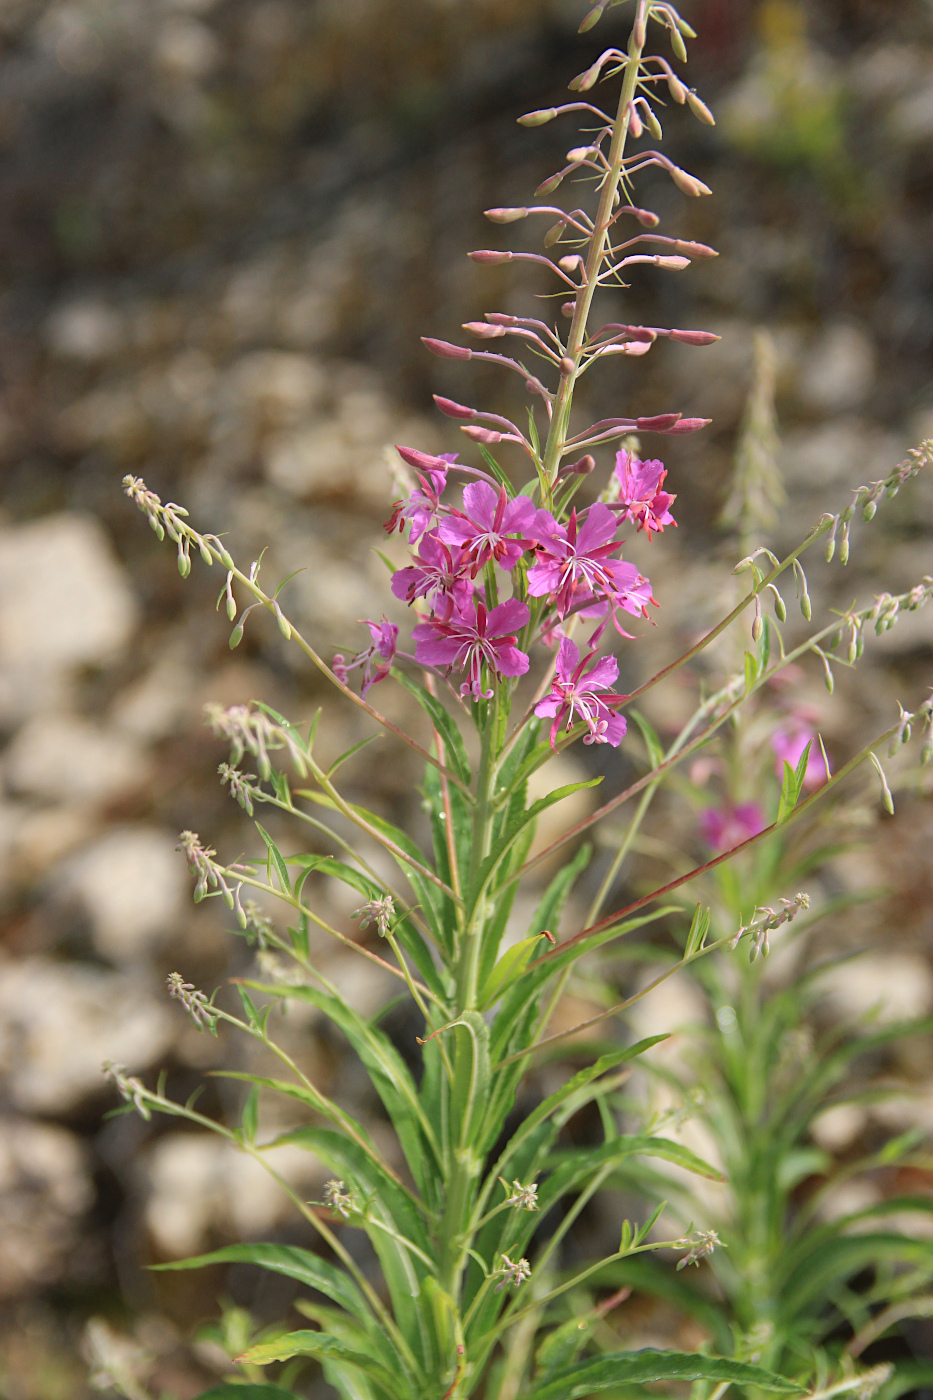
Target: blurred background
<point>224,224</point>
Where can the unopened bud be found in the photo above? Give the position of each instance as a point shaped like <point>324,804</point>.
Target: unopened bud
<point>634,121</point>
<point>284,624</point>
<point>844,545</point>
<point>571,263</point>
<point>544,114</point>
<point>688,184</point>
<point>645,217</point>
<point>236,637</point>
<point>688,425</point>
<point>582,467</point>
<point>505,216</point>
<point>576,154</point>
<point>549,185</point>
<point>554,234</point>
<point>568,308</point>
<point>805,606</point>
<point>699,109</point>
<point>156,528</point>
<point>567,366</point>
<point>926,753</point>
<point>659,423</point>
<point>592,18</point>
<point>444,350</point>
<point>453,410</point>
<point>757,628</point>
<point>672,261</point>
<point>205,553</point>
<point>676,89</point>
<point>184,564</point>
<point>584,81</point>
<point>226,559</point>
<point>231,607</point>
<point>487,436</point>
<point>653,125</point>
<point>868,510</point>
<point>694,337</point>
<point>490,255</point>
<point>678,45</point>
<point>484,330</point>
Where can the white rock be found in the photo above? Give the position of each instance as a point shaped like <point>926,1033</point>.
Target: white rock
<point>561,771</point>
<point>60,756</point>
<point>197,1183</point>
<point>60,1021</point>
<point>133,886</point>
<point>154,705</point>
<point>85,330</point>
<point>45,1187</point>
<point>839,1126</point>
<point>64,602</point>
<point>896,986</point>
<point>839,370</point>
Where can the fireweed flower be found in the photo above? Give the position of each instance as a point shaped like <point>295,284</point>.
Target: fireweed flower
<point>422,505</point>
<point>724,827</point>
<point>640,492</point>
<point>573,693</point>
<point>482,528</point>
<point>376,660</point>
<point>574,565</point>
<point>789,743</point>
<point>473,638</point>
<point>438,573</point>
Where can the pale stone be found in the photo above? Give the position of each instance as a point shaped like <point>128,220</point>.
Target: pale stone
<point>559,772</point>
<point>838,1127</point>
<point>45,1187</point>
<point>133,885</point>
<point>839,371</point>
<point>60,1021</point>
<point>892,986</point>
<point>59,756</point>
<point>197,1183</point>
<point>64,602</point>
<point>160,700</point>
<point>85,330</point>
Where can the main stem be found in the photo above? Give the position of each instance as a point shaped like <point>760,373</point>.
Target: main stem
<point>560,419</point>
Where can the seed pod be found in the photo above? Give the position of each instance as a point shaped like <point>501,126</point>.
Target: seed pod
<point>544,114</point>
<point>700,110</point>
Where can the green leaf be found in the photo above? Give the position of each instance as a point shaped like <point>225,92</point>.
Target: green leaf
<point>644,1367</point>
<point>320,1344</point>
<point>348,753</point>
<point>552,901</point>
<point>455,752</point>
<point>234,1391</point>
<point>276,858</point>
<point>507,971</point>
<point>751,672</point>
<point>649,734</point>
<point>471,1076</point>
<point>298,1264</point>
<point>250,1116</point>
<point>497,471</point>
<point>699,928</point>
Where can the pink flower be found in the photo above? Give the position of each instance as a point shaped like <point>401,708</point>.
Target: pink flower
<point>573,566</point>
<point>482,527</point>
<point>725,827</point>
<point>789,744</point>
<point>473,638</point>
<point>439,574</point>
<point>640,493</point>
<point>573,693</point>
<point>376,660</point>
<point>575,558</point>
<point>422,506</point>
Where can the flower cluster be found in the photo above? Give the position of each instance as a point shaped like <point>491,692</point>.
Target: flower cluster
<point>559,566</point>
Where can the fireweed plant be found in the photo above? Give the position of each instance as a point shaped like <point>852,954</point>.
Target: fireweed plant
<point>515,594</point>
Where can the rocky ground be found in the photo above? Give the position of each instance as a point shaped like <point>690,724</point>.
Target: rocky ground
<point>224,225</point>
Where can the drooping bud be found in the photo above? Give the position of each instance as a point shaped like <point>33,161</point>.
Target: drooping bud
<point>505,216</point>
<point>689,425</point>
<point>451,410</point>
<point>568,308</point>
<point>576,154</point>
<point>554,234</point>
<point>585,80</point>
<point>700,110</point>
<point>673,262</point>
<point>886,797</point>
<point>571,263</point>
<point>483,329</point>
<point>567,366</point>
<point>549,185</point>
<point>678,45</point>
<point>594,16</point>
<point>444,350</point>
<point>634,121</point>
<point>488,436</point>
<point>236,636</point>
<point>869,509</point>
<point>582,467</point>
<point>693,337</point>
<point>676,89</point>
<point>688,184</point>
<point>652,123</point>
<point>544,114</point>
<point>490,255</point>
<point>694,250</point>
<point>660,423</point>
<point>645,217</point>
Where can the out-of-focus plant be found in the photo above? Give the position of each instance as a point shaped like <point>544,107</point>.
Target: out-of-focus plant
<point>513,593</point>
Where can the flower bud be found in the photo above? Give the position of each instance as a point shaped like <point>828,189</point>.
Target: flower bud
<point>205,553</point>
<point>780,608</point>
<point>757,628</point>
<point>673,262</point>
<point>926,753</point>
<point>550,185</point>
<point>544,114</point>
<point>157,528</point>
<point>488,436</point>
<point>576,154</point>
<point>484,330</point>
<point>678,45</point>
<point>653,125</point>
<point>490,255</point>
<point>676,89</point>
<point>688,184</point>
<point>236,637</point>
<point>694,250</point>
<point>582,467</point>
<point>844,545</point>
<point>592,18</point>
<point>568,308</point>
<point>571,263</point>
<point>505,216</point>
<point>645,217</point>
<point>284,624</point>
<point>444,350</point>
<point>567,366</point>
<point>700,109</point>
<point>805,606</point>
<point>688,425</point>
<point>184,564</point>
<point>554,234</point>
<point>660,423</point>
<point>226,559</point>
<point>584,81</point>
<point>634,121</point>
<point>693,337</point>
<point>869,509</point>
<point>450,410</point>
<point>231,607</point>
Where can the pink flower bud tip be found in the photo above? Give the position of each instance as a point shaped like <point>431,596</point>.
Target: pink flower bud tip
<point>660,423</point>
<point>689,425</point>
<point>453,410</point>
<point>489,255</point>
<point>483,329</point>
<point>505,216</point>
<point>645,217</point>
<point>538,118</point>
<point>487,436</point>
<point>422,461</point>
<point>694,337</point>
<point>445,350</point>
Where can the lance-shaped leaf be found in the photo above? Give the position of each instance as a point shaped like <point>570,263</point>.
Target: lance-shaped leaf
<point>298,1264</point>
<point>446,727</point>
<point>319,1344</point>
<point>230,1391</point>
<point>507,971</point>
<point>583,1378</point>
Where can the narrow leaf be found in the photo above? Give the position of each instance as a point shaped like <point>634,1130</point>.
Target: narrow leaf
<point>645,1367</point>
<point>277,859</point>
